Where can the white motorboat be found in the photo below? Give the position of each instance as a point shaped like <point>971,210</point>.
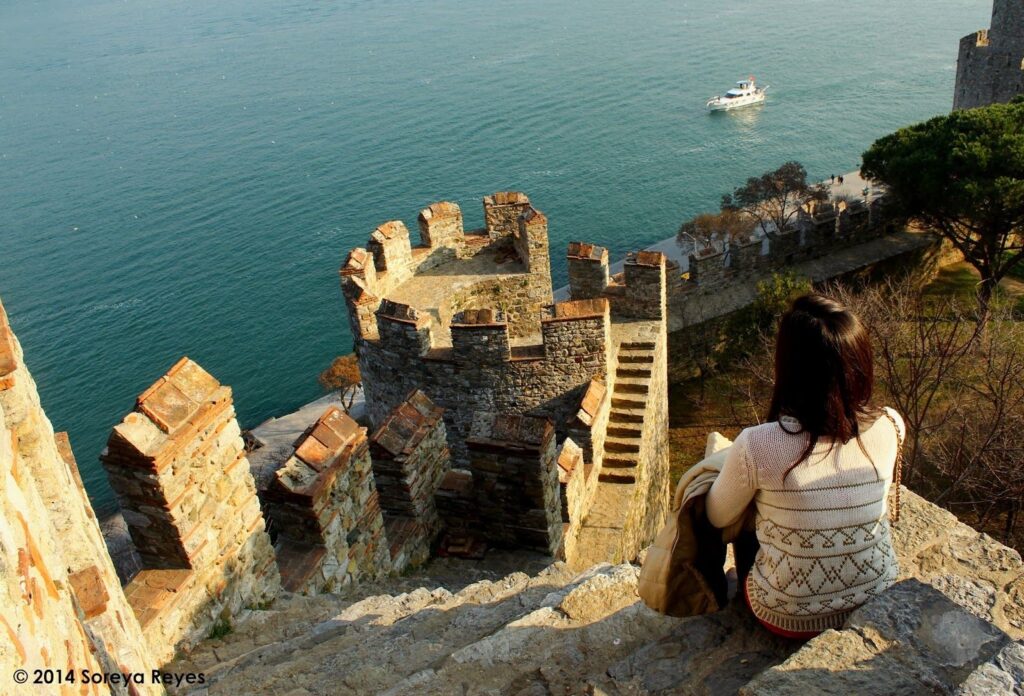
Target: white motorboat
<point>745,93</point>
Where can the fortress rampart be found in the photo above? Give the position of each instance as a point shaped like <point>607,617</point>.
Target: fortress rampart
<point>476,332</point>
<point>824,229</point>
<point>990,63</point>
<point>505,265</point>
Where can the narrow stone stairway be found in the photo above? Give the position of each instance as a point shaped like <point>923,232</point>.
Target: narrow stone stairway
<point>629,402</point>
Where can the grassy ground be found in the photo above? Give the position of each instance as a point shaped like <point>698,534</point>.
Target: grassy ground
<point>960,280</point>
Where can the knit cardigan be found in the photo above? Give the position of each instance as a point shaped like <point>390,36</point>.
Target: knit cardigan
<point>826,546</point>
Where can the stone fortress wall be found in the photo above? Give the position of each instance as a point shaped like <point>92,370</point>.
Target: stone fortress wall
<point>178,466</point>
<point>63,606</point>
<point>468,318</point>
<point>990,64</point>
<point>819,231</point>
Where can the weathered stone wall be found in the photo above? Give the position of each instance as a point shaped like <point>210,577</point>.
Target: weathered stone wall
<point>482,372</point>
<point>990,64</point>
<point>410,458</point>
<point>588,270</point>
<point>324,511</point>
<point>178,466</point>
<point>589,427</point>
<point>515,479</point>
<point>63,607</point>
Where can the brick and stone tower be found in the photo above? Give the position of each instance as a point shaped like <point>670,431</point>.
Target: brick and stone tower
<point>990,66</point>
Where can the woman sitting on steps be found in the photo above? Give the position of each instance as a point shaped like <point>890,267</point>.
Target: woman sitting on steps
<point>818,473</point>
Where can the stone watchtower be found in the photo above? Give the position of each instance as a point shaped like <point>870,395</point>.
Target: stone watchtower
<point>990,66</point>
<point>467,318</point>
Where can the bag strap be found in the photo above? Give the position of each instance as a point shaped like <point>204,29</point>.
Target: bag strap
<point>894,514</point>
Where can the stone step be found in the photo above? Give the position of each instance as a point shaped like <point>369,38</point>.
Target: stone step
<point>628,401</point>
<point>632,371</point>
<point>636,358</point>
<point>616,476</point>
<point>638,346</point>
<point>366,649</point>
<point>598,638</point>
<point>630,430</point>
<point>620,461</point>
<point>632,386</point>
<point>622,444</point>
<point>626,415</point>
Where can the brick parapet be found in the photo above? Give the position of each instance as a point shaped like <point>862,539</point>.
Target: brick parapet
<point>502,211</point>
<point>588,270</point>
<point>410,459</point>
<point>324,509</point>
<point>178,466</point>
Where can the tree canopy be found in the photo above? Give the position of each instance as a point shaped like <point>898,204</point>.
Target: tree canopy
<point>775,198</point>
<point>962,175</point>
<point>342,376</point>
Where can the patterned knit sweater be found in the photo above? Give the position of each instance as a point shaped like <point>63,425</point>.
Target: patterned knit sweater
<point>824,531</point>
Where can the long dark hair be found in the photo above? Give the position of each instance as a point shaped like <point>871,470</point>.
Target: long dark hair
<point>823,373</point>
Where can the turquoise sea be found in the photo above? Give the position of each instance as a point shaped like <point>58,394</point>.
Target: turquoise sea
<point>182,177</point>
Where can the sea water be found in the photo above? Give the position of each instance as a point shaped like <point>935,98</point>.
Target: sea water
<point>184,178</point>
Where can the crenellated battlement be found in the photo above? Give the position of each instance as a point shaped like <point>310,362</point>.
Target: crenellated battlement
<point>822,229</point>
<point>452,270</point>
<point>441,226</point>
<point>502,211</point>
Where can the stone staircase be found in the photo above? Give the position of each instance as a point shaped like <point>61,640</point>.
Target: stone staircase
<point>952,626</point>
<point>629,402</point>
<point>553,632</point>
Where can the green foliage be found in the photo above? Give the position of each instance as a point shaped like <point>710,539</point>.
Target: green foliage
<point>748,327</point>
<point>962,175</point>
<point>220,629</point>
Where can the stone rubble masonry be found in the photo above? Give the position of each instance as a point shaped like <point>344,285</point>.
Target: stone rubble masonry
<point>178,466</point>
<point>990,65</point>
<point>410,459</point>
<point>502,211</point>
<point>63,607</point>
<point>484,372</point>
<point>588,270</point>
<point>515,479</point>
<point>589,425</point>
<point>324,508</point>
<point>818,232</point>
<point>456,502</point>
